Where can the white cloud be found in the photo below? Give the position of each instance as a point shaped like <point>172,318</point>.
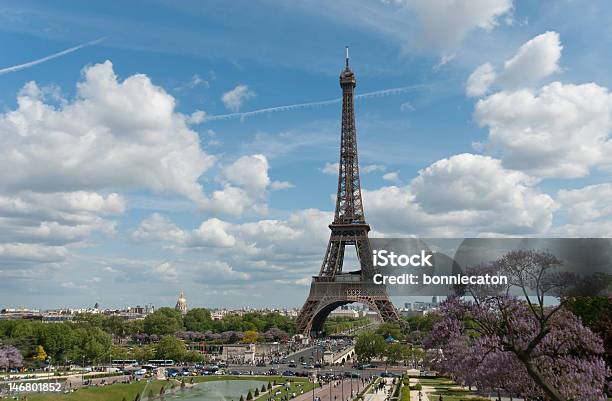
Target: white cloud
<point>331,168</point>
<point>535,59</point>
<point>196,117</point>
<point>114,134</point>
<point>278,185</point>
<point>480,80</point>
<point>212,233</point>
<point>586,212</point>
<point>406,106</point>
<point>463,195</point>
<point>444,23</point>
<point>234,98</point>
<point>392,176</point>
<point>249,172</point>
<point>370,168</point>
<point>560,130</point>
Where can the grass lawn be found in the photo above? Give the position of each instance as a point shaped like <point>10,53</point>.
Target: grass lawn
<point>297,384</point>
<point>449,390</point>
<point>116,392</point>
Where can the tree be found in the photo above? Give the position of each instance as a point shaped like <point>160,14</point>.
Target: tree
<point>389,330</point>
<point>41,354</point>
<point>143,353</point>
<point>10,357</point>
<point>249,396</point>
<point>170,347</point>
<point>495,340</point>
<point>163,321</point>
<point>198,319</point>
<point>596,313</point>
<point>393,353</point>
<point>250,336</point>
<point>369,345</point>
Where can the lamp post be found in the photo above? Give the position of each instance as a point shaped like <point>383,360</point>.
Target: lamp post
<point>313,386</point>
<point>330,384</point>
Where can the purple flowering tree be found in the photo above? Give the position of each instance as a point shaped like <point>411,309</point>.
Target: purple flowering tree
<point>10,357</point>
<point>497,341</point>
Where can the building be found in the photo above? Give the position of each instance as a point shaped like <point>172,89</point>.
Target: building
<point>181,304</point>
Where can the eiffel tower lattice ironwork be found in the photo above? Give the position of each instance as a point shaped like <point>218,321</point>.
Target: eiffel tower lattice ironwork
<point>333,287</point>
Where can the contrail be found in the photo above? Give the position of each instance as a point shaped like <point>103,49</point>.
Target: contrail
<point>367,95</point>
<point>47,58</point>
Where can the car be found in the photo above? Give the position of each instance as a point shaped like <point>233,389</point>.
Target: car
<point>272,372</point>
<point>235,373</point>
<point>288,373</point>
<point>292,365</point>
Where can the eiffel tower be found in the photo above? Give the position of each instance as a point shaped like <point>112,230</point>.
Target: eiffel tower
<point>333,288</point>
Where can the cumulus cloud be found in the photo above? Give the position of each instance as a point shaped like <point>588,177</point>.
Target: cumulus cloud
<point>114,134</point>
<point>559,130</point>
<point>234,98</point>
<point>480,80</point>
<point>462,194</point>
<point>535,60</point>
<point>585,212</point>
<point>290,246</point>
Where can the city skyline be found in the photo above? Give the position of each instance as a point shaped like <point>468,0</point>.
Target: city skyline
<point>129,170</point>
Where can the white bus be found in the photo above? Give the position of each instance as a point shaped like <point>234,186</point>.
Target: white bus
<point>161,362</point>
<point>124,362</point>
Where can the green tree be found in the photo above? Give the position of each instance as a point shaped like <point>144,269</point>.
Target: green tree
<point>369,345</point>
<point>170,347</point>
<point>249,396</point>
<point>163,321</point>
<point>394,352</point>
<point>198,319</point>
<point>116,326</point>
<point>389,329</point>
<point>143,353</point>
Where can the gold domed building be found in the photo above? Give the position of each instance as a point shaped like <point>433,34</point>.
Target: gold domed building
<point>181,304</point>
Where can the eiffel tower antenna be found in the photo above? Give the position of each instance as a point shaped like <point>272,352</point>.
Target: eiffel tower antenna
<point>347,57</point>
<point>333,287</point>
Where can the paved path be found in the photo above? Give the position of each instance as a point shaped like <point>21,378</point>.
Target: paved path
<point>414,394</point>
<point>338,390</point>
<point>382,394</point>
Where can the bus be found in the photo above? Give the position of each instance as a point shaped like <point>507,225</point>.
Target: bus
<point>161,362</point>
<point>124,362</point>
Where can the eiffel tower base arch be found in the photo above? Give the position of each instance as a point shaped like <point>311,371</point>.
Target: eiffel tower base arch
<point>327,295</point>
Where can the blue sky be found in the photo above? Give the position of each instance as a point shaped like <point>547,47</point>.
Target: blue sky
<point>118,185</point>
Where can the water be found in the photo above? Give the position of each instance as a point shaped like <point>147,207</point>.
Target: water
<point>222,390</point>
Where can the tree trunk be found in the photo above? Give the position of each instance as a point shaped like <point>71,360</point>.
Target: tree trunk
<point>536,375</point>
